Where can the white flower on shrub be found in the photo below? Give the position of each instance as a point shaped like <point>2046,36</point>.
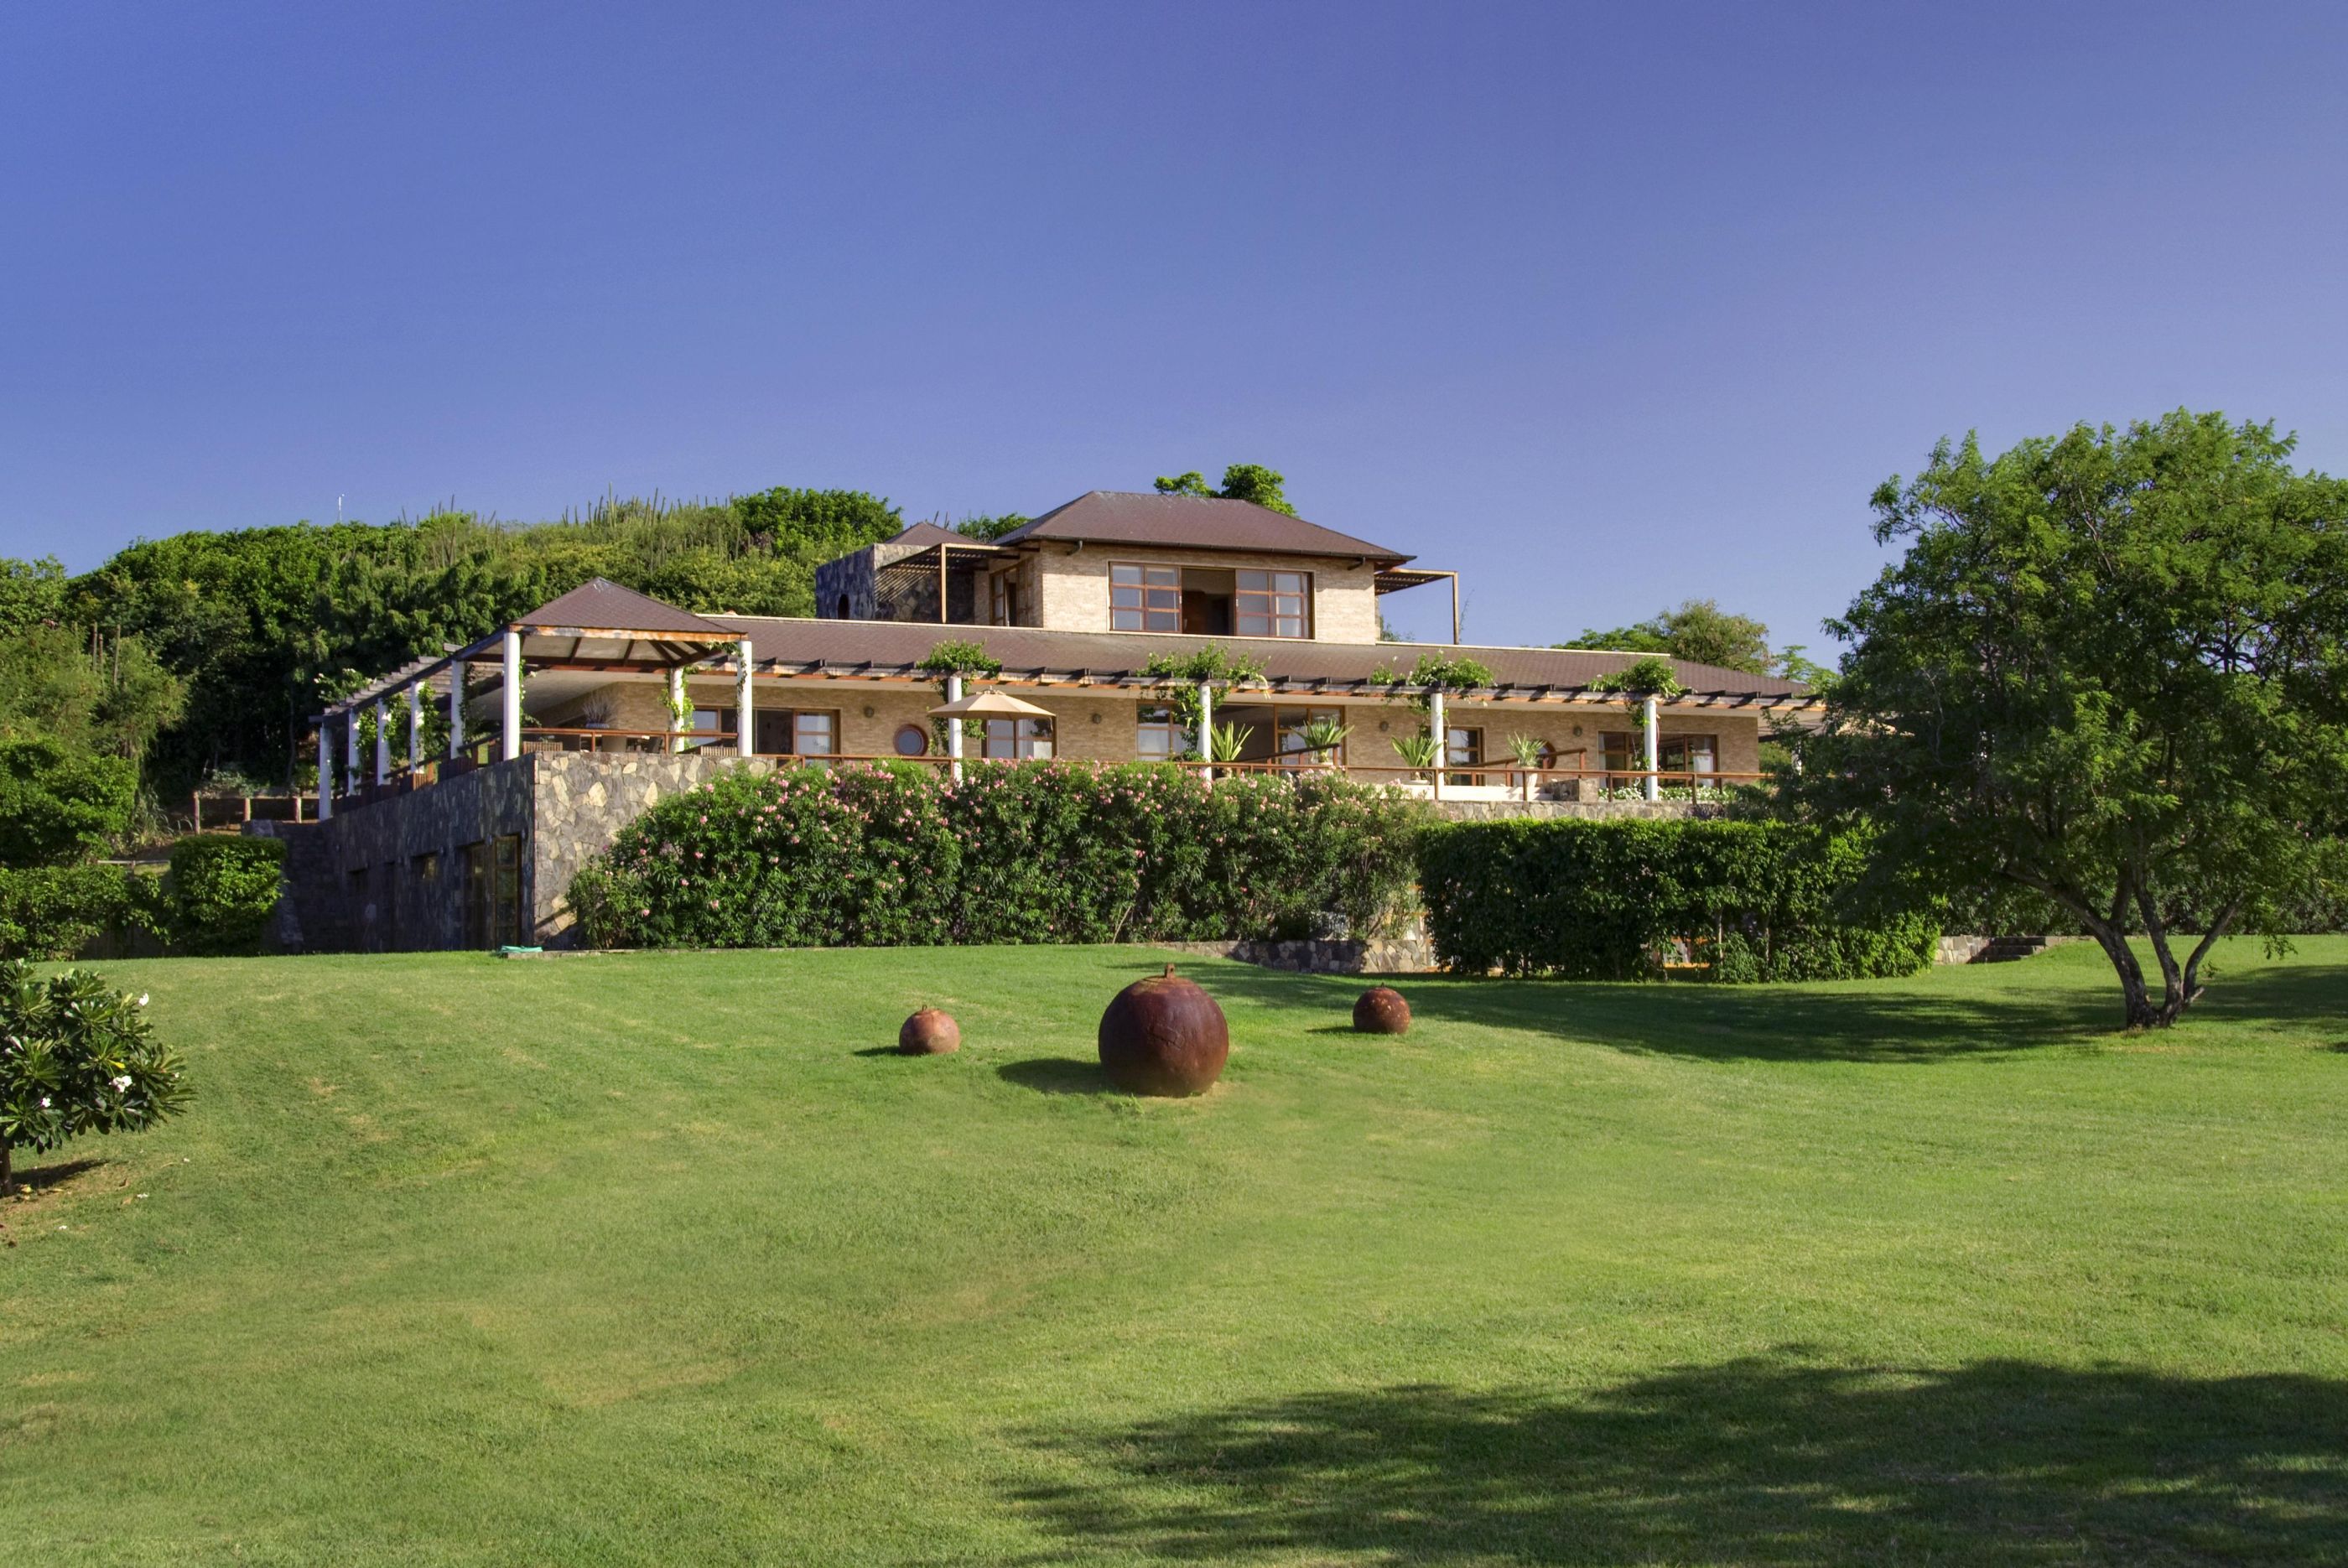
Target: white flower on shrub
<point>122,1082</point>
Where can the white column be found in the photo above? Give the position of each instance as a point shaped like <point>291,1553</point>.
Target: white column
<point>1207,731</point>
<point>415,727</point>
<point>511,748</point>
<point>325,773</point>
<point>673,699</point>
<point>457,708</point>
<point>1440,728</point>
<point>350,748</point>
<point>953,729</point>
<point>1655,749</point>
<point>382,743</point>
<point>742,710</point>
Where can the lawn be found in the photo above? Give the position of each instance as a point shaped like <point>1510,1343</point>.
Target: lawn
<point>664,1259</point>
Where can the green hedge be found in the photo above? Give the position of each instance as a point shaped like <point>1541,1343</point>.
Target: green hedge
<point>56,911</point>
<point>1016,853</point>
<point>224,890</point>
<point>1609,900</point>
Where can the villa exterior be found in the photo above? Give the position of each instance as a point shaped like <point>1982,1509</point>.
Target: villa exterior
<point>562,726</point>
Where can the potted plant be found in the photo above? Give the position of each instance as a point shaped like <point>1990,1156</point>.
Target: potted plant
<point>1321,738</point>
<point>1421,752</point>
<point>1528,753</point>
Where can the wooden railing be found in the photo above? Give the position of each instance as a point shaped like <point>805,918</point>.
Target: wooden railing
<point>1514,781</point>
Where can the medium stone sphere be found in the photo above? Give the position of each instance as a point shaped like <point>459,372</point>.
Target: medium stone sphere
<point>1163,1036</point>
<point>1381,1011</point>
<point>930,1032</point>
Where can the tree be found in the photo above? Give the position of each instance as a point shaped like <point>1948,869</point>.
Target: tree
<point>76,1056</point>
<point>59,805</point>
<point>1242,481</point>
<point>983,526</point>
<point>1699,631</point>
<point>31,592</point>
<point>2108,670</point>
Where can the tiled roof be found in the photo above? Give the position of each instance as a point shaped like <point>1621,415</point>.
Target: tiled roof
<point>600,605</point>
<point>1191,522</point>
<point>850,647</point>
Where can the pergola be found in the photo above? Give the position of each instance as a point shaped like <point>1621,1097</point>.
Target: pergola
<point>597,628</point>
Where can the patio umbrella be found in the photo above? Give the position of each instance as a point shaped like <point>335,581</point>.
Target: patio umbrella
<point>990,702</point>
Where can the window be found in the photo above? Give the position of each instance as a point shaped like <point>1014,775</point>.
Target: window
<point>1017,738</point>
<point>1273,603</point>
<point>815,734</point>
<point>1294,752</point>
<point>1673,753</point>
<point>1160,737</point>
<point>1145,598</point>
<point>709,724</point>
<point>1463,748</point>
<point>1002,608</point>
<point>911,740</point>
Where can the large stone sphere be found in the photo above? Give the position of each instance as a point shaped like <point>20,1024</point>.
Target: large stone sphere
<point>1381,1011</point>
<point>1163,1036</point>
<point>930,1032</point>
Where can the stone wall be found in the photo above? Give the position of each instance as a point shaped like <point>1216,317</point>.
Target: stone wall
<point>387,873</point>
<point>1506,811</point>
<point>582,801</point>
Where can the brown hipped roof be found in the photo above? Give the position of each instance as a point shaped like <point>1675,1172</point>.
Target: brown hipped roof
<point>602,605</point>
<point>1192,522</point>
<point>851,648</point>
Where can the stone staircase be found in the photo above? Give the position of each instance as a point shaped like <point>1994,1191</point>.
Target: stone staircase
<point>2010,949</point>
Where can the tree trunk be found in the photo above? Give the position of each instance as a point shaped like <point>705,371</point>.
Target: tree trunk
<point>5,1153</point>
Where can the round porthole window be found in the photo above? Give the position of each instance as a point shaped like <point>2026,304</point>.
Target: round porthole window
<point>913,740</point>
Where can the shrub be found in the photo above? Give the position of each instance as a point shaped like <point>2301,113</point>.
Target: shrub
<point>76,1056</point>
<point>55,911</point>
<point>224,890</point>
<point>1610,900</point>
<point>57,805</point>
<point>1015,853</point>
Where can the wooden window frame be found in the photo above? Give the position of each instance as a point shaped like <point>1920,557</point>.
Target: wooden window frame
<point>1262,603</point>
<point>1023,739</point>
<point>1152,719</point>
<point>1151,592</point>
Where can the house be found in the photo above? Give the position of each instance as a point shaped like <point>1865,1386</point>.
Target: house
<point>565,725</point>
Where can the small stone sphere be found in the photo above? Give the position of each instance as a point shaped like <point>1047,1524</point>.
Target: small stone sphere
<point>930,1032</point>
<point>1381,1011</point>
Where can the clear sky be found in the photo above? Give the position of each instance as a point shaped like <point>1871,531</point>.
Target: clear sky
<point>1605,305</point>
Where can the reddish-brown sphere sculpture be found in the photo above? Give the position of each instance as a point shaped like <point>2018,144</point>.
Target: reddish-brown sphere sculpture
<point>1381,1011</point>
<point>930,1032</point>
<point>1163,1036</point>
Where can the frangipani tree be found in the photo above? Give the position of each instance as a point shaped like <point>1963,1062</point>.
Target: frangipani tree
<point>77,1058</point>
<point>2110,670</point>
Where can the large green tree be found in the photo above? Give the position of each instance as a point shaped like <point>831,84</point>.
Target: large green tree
<point>1242,481</point>
<point>2108,669</point>
<point>1699,631</point>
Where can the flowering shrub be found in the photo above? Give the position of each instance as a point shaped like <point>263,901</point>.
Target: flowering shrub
<point>1055,852</point>
<point>76,1056</point>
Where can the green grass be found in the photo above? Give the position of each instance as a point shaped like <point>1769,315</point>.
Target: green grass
<point>661,1260</point>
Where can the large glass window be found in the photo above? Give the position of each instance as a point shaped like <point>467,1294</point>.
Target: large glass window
<point>1673,753</point>
<point>1160,737</point>
<point>1145,598</point>
<point>1293,750</point>
<point>1273,604</point>
<point>1013,739</point>
<point>1463,747</point>
<point>815,734</point>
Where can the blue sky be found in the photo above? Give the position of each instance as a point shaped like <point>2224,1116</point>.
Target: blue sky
<point>1605,306</point>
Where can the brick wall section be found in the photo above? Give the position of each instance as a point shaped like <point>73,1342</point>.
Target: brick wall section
<point>1074,594</point>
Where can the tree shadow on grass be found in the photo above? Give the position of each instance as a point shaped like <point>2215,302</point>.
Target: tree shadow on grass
<point>1765,1460</point>
<point>1886,1021</point>
<point>1056,1074</point>
<point>40,1178</point>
